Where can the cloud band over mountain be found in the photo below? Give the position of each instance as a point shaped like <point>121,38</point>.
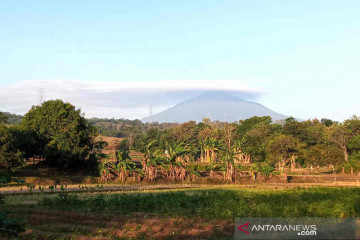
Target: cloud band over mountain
<point>115,99</point>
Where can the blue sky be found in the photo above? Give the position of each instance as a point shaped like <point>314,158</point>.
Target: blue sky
<point>301,57</point>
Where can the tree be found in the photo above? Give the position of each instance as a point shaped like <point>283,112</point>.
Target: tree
<point>248,124</point>
<point>327,122</point>
<point>340,136</point>
<point>3,118</point>
<point>11,158</point>
<point>254,140</point>
<point>292,127</point>
<point>185,132</point>
<point>283,148</point>
<point>130,133</point>
<point>63,135</point>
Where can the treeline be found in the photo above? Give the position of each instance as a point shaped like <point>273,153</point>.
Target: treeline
<point>59,134</point>
<point>257,143</point>
<point>123,127</point>
<point>308,143</point>
<point>106,126</point>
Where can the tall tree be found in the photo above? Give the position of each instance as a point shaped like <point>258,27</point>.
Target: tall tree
<point>283,148</point>
<point>341,136</point>
<point>64,136</point>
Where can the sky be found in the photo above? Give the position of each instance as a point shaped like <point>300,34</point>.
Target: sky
<point>118,58</point>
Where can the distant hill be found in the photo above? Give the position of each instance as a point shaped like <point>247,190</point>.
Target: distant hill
<point>221,106</point>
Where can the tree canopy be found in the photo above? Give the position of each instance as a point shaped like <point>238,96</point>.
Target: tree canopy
<point>63,136</point>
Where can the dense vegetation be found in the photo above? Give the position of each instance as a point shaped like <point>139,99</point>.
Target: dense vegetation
<point>54,132</point>
<point>10,118</point>
<point>256,141</point>
<point>57,133</point>
<point>125,127</point>
<point>9,227</point>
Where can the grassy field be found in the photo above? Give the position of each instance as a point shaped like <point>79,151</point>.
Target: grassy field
<point>172,214</point>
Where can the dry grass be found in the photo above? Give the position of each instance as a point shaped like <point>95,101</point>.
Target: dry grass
<point>52,224</point>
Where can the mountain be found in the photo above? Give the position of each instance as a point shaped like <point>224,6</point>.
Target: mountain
<point>220,106</point>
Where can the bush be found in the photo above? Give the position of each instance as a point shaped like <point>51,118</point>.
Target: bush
<point>9,227</point>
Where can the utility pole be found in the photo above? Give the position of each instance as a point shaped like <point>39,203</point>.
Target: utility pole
<point>150,109</point>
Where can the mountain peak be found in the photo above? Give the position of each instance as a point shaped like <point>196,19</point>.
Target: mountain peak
<point>216,96</point>
<point>216,105</point>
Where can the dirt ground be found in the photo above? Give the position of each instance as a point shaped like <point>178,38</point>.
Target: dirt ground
<point>47,224</point>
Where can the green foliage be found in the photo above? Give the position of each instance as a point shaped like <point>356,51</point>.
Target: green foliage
<point>266,170</point>
<point>9,227</point>
<point>120,127</point>
<point>327,122</point>
<point>282,146</point>
<point>12,119</point>
<point>250,123</point>
<point>123,145</point>
<point>3,118</point>
<point>63,136</point>
<point>354,144</point>
<point>221,204</point>
<point>25,141</point>
<point>124,165</point>
<point>311,142</point>
<point>11,158</point>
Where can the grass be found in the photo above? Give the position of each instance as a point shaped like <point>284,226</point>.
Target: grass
<point>173,214</point>
<point>222,204</point>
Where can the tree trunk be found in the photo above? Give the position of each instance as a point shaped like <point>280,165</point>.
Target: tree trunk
<point>346,155</point>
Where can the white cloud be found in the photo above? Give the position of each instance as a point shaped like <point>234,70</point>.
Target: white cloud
<point>115,99</point>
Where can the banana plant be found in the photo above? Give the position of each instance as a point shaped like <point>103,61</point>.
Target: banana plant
<point>105,170</point>
<point>193,175</point>
<point>151,161</point>
<point>211,148</point>
<point>266,170</point>
<point>124,165</point>
<point>228,158</point>
<point>177,170</point>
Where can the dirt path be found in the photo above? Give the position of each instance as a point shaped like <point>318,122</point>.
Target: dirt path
<point>128,188</point>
